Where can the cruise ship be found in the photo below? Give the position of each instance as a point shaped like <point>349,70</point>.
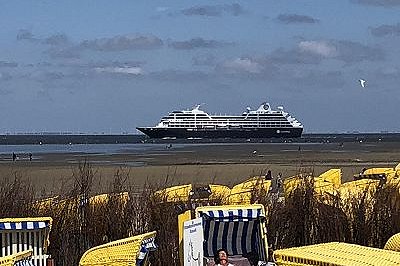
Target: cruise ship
<point>195,123</point>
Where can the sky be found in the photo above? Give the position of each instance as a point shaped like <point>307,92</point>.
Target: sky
<point>105,66</point>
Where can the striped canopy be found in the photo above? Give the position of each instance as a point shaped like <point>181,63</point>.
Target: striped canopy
<point>25,225</point>
<point>146,246</point>
<point>237,231</point>
<point>233,215</point>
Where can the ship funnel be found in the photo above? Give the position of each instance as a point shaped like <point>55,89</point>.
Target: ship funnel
<point>280,108</point>
<point>197,107</point>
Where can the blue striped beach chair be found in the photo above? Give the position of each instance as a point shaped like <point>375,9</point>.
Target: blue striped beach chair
<point>23,258</point>
<point>239,229</point>
<point>23,234</point>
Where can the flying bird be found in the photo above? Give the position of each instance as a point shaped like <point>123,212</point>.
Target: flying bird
<point>362,82</point>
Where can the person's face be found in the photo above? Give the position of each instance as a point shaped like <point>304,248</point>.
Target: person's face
<point>223,257</point>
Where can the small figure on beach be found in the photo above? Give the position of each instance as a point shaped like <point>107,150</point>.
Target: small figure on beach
<point>276,184</point>
<point>30,156</point>
<point>14,156</point>
<point>363,171</point>
<point>382,180</point>
<point>279,181</point>
<point>268,176</point>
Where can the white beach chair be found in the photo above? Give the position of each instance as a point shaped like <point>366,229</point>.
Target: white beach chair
<point>22,234</point>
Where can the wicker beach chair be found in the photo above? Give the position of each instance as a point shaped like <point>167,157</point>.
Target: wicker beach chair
<point>326,182</point>
<point>239,229</point>
<point>336,254</point>
<point>393,243</point>
<point>190,192</point>
<point>242,193</point>
<point>127,251</point>
<point>23,258</point>
<point>22,234</point>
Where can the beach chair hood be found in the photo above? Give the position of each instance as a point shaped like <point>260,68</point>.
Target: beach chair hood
<point>34,223</point>
<point>146,246</point>
<point>127,251</point>
<point>236,230</point>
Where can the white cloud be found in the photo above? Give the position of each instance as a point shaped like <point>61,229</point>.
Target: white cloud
<point>121,70</point>
<point>322,48</point>
<point>242,65</point>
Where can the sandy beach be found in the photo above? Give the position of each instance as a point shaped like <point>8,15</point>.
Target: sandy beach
<point>226,164</point>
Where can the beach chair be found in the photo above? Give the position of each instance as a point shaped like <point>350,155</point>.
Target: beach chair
<point>192,193</point>
<point>128,251</point>
<point>239,229</point>
<point>22,234</point>
<point>336,254</point>
<point>326,182</point>
<point>393,243</point>
<point>242,193</point>
<point>122,198</point>
<point>23,258</point>
<point>385,174</point>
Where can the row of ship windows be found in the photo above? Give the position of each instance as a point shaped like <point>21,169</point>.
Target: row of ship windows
<point>223,117</point>
<point>232,120</point>
<point>230,123</point>
<point>192,115</point>
<point>243,126</point>
<point>212,124</point>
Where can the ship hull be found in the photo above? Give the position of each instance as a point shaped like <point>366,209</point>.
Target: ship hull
<point>155,132</point>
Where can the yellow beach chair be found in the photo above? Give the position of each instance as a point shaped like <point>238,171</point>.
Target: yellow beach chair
<point>22,234</point>
<point>185,193</point>
<point>336,254</point>
<point>386,174</point>
<point>393,243</point>
<point>239,229</point>
<point>23,258</point>
<point>128,251</point>
<point>242,193</point>
<point>326,182</point>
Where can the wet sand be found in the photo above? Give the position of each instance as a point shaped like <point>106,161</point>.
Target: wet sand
<point>226,164</point>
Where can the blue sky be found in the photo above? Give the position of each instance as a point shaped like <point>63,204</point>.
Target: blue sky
<point>110,66</point>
